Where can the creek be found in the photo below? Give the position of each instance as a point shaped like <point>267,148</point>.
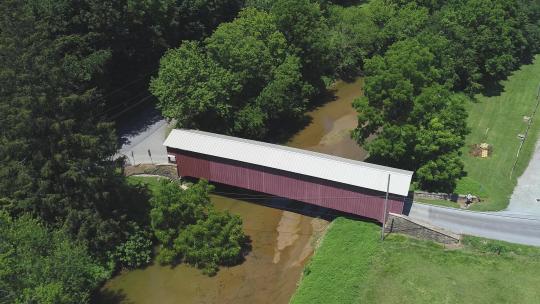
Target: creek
<point>283,233</point>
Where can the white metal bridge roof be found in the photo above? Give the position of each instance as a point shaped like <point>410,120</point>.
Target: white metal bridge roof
<point>324,166</point>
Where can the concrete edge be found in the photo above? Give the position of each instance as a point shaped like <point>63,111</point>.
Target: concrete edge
<point>442,231</point>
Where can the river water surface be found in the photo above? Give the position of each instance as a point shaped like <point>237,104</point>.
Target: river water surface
<point>283,233</point>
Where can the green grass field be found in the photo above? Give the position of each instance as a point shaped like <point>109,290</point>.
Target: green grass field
<point>437,202</point>
<point>501,117</point>
<point>353,266</point>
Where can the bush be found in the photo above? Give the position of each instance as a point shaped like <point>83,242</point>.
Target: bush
<point>136,251</point>
<point>191,231</point>
<point>216,240</point>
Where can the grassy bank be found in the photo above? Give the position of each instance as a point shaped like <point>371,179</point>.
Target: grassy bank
<point>152,182</point>
<point>353,266</point>
<point>501,118</point>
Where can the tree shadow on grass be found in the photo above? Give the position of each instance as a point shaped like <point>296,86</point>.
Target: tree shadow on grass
<point>492,88</point>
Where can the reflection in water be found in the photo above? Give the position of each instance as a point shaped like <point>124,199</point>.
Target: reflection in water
<point>283,233</point>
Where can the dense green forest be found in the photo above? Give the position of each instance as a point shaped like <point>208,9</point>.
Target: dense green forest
<point>422,61</point>
<point>248,68</point>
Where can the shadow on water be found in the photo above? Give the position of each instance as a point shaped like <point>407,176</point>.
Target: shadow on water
<point>281,203</point>
<point>280,132</point>
<point>110,297</point>
<point>283,130</point>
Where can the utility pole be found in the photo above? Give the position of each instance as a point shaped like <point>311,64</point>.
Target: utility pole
<point>385,208</point>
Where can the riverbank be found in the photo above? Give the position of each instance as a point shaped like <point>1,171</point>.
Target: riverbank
<point>407,270</point>
<point>270,271</point>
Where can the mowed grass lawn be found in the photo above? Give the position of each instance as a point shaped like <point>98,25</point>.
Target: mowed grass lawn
<point>503,116</point>
<point>353,266</point>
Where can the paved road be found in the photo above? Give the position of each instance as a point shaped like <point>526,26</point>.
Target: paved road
<point>141,131</point>
<point>494,225</point>
<point>519,223</point>
<point>527,192</point>
<point>150,139</point>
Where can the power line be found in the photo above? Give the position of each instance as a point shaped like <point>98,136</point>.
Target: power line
<point>526,131</point>
<point>132,82</point>
<point>131,107</point>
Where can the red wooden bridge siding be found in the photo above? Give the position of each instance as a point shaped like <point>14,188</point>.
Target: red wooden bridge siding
<point>320,192</point>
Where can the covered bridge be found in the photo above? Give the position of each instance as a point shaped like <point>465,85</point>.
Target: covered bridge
<point>332,182</point>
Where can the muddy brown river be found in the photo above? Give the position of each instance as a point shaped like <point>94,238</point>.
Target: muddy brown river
<point>283,233</point>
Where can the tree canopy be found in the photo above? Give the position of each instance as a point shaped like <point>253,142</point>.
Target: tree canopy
<point>64,66</point>
<point>40,266</point>
<point>420,124</point>
<point>190,230</point>
<point>489,38</point>
<point>55,146</point>
<point>435,51</point>
<point>240,80</point>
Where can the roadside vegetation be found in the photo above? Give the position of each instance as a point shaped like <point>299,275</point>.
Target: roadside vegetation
<point>498,120</point>
<point>352,265</point>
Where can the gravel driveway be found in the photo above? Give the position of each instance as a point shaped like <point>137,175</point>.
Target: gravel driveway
<point>526,196</point>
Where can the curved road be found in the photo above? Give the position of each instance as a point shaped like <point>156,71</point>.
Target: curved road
<point>519,223</point>
<point>522,229</point>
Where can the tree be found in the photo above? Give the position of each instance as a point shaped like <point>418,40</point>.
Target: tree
<point>193,89</point>
<point>139,32</point>
<point>353,38</point>
<point>432,5</point>
<point>191,231</point>
<point>216,240</point>
<point>56,147</point>
<point>136,251</point>
<point>305,28</point>
<point>174,208</point>
<point>489,38</point>
<point>396,22</point>
<point>42,266</point>
<point>241,80</point>
<point>418,121</point>
<point>532,29</point>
